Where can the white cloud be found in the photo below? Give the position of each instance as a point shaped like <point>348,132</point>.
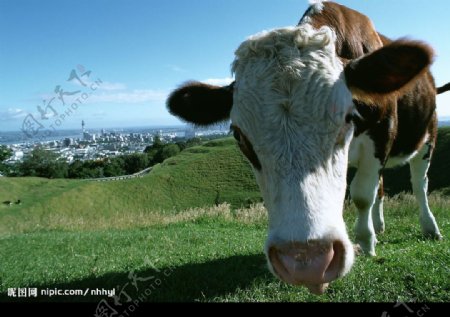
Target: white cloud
<point>12,114</point>
<point>114,93</point>
<point>86,82</point>
<point>130,97</point>
<point>111,86</point>
<point>100,91</point>
<point>219,81</point>
<point>176,68</point>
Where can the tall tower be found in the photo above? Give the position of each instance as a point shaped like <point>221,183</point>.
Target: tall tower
<point>83,131</point>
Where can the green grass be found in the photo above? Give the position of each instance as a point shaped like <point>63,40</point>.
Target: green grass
<point>79,234</point>
<point>216,255</point>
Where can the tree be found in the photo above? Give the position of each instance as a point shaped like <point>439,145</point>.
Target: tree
<point>75,169</point>
<point>194,142</point>
<point>182,145</point>
<point>155,147</point>
<point>157,143</point>
<point>135,163</point>
<point>5,153</point>
<point>93,169</point>
<point>114,167</point>
<point>167,151</point>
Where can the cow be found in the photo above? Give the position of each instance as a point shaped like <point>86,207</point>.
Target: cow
<point>307,102</point>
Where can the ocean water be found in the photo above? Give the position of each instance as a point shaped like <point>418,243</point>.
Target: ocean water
<point>17,137</point>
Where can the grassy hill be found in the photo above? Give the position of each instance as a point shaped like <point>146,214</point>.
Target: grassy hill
<point>200,176</point>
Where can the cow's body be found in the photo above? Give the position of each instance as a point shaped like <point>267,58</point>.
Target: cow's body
<point>397,130</point>
<point>308,101</point>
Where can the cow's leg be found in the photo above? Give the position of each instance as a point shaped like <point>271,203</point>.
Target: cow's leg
<point>419,180</point>
<point>377,210</point>
<point>363,190</point>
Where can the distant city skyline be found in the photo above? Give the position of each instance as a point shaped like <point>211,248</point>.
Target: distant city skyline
<point>13,137</point>
<point>113,63</point>
<point>83,132</point>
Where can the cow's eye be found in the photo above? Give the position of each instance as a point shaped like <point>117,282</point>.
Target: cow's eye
<point>349,118</point>
<point>246,147</point>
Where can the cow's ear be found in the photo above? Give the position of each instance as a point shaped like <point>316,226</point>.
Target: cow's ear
<point>388,69</point>
<point>200,103</point>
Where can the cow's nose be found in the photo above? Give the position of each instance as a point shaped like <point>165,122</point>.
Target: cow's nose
<point>313,264</point>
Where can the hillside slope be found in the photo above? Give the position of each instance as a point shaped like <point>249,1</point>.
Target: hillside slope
<point>200,176</point>
<point>397,179</point>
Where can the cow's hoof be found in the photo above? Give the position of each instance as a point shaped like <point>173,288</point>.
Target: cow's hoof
<point>358,250</point>
<point>379,228</point>
<point>432,235</point>
<point>362,249</point>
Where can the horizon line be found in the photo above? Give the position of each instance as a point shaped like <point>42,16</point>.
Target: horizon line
<point>445,119</point>
<point>112,127</point>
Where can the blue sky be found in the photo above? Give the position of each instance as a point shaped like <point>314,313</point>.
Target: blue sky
<point>141,50</point>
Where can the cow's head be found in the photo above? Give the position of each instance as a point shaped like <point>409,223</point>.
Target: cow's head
<point>291,110</point>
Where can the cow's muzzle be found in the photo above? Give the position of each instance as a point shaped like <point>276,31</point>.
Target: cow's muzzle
<point>313,264</point>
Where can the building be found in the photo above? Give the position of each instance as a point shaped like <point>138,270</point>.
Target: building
<point>88,136</point>
<point>68,142</point>
<point>18,156</point>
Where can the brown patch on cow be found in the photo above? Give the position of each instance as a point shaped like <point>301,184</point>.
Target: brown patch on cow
<point>385,118</point>
<point>398,127</point>
<point>380,123</point>
<point>356,35</point>
<point>246,147</point>
<point>416,117</point>
<point>396,124</point>
<point>410,116</point>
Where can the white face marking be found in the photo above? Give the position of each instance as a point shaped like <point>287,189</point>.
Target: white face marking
<point>290,101</point>
<point>316,6</point>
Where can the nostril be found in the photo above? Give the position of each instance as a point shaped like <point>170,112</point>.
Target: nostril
<point>279,267</point>
<point>334,269</point>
